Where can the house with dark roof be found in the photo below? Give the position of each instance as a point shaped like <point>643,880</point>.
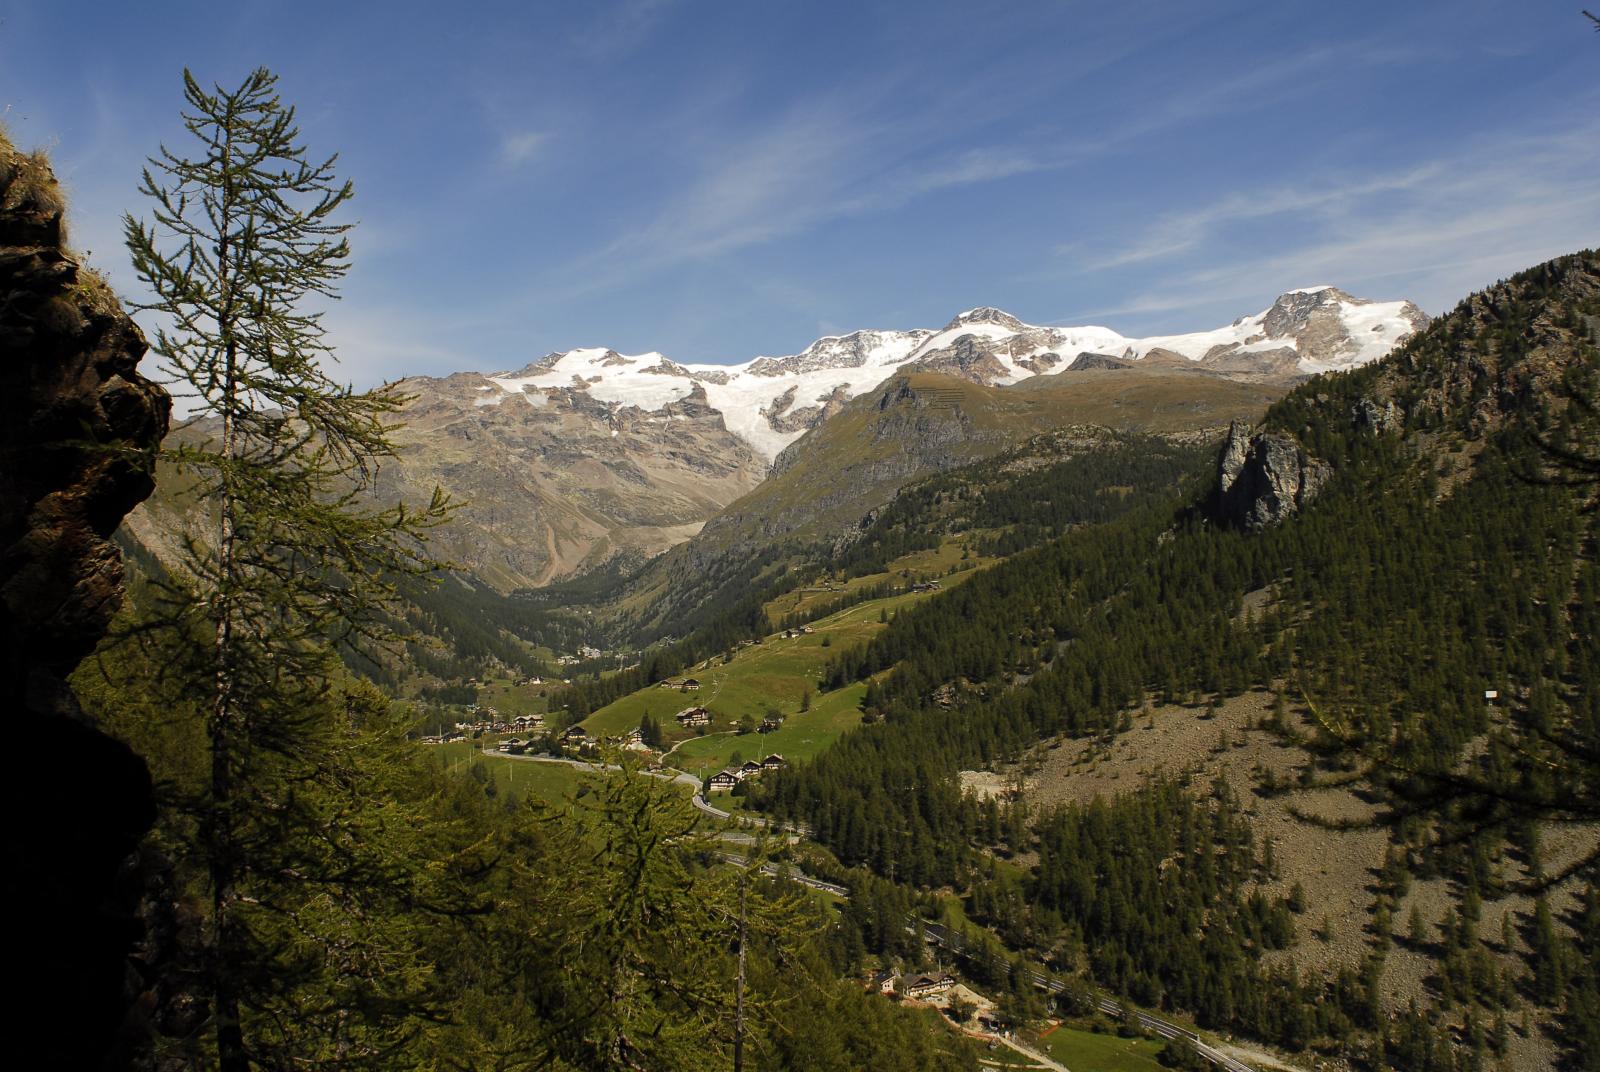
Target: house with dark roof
<point>924,986</point>
<point>693,716</point>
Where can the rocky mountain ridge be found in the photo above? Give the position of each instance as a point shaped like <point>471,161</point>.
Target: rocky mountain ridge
<point>591,458</point>
<point>770,401</point>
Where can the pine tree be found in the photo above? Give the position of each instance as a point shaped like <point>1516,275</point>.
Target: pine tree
<point>294,559</point>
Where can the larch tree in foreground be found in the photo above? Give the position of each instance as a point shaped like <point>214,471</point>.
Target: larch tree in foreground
<point>293,558</point>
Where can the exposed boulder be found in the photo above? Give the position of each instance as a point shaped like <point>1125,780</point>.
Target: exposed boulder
<point>1374,417</point>
<point>78,426</point>
<point>1265,478</point>
<point>970,357</point>
<point>1088,360</point>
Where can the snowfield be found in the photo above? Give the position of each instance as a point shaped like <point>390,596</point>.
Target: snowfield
<point>750,396</point>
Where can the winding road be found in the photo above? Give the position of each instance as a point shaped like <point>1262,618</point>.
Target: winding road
<point>935,933</point>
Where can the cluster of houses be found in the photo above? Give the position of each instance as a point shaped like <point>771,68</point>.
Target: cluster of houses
<point>584,652</point>
<point>790,634</point>
<point>520,724</point>
<point>729,777</point>
<point>925,586</point>
<point>686,685</point>
<point>444,738</point>
<point>919,986</point>
<point>578,737</point>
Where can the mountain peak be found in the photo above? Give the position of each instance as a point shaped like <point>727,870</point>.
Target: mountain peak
<point>987,314</point>
<point>1292,309</point>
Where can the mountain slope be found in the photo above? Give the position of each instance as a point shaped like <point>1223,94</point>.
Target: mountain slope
<point>769,402</point>
<point>589,463</point>
<point>1438,564</point>
<point>827,485</point>
<point>923,422</point>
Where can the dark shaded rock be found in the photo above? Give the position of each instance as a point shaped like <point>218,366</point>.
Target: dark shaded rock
<point>1087,360</point>
<point>1264,479</point>
<point>78,426</point>
<point>784,419</point>
<point>969,357</point>
<point>1371,416</point>
<point>986,314</point>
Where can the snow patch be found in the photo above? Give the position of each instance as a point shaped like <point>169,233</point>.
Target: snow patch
<point>860,361</point>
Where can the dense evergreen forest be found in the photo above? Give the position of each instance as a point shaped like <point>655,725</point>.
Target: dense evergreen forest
<point>1049,485</point>
<point>1032,494</point>
<point>1444,561</point>
<point>403,917</point>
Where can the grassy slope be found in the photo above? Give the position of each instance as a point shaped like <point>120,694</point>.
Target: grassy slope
<point>1078,1049</point>
<point>844,451</point>
<point>553,783</point>
<point>932,564</point>
<point>510,699</point>
<point>775,674</point>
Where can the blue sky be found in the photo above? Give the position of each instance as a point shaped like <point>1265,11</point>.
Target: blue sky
<point>717,180</point>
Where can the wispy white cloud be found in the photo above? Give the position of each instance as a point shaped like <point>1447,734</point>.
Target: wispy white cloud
<point>621,28</point>
<point>1181,232</point>
<point>519,147</point>
<point>373,344</point>
<point>837,156</point>
<point>820,163</point>
<point>1432,232</point>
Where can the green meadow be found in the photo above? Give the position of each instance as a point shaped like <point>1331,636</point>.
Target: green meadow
<point>773,676</point>
<point>1079,1049</point>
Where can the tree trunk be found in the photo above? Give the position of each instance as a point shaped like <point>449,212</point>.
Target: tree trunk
<point>738,987</point>
<point>221,850</point>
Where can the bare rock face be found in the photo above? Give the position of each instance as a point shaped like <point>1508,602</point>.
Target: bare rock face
<point>969,357</point>
<point>77,425</point>
<point>987,314</point>
<point>1266,478</point>
<point>1089,360</point>
<point>783,415</point>
<point>1375,418</point>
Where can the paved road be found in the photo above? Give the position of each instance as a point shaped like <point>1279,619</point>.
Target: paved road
<point>752,820</point>
<point>945,938</point>
<point>792,872</point>
<point>939,935</point>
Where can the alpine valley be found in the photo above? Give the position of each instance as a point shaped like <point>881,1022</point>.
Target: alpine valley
<point>590,464</point>
<point>978,695</point>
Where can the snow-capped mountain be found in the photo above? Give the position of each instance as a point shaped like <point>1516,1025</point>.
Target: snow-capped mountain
<point>590,456</point>
<point>769,402</point>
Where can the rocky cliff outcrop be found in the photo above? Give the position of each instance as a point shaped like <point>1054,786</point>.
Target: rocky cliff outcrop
<point>1265,478</point>
<point>77,425</point>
